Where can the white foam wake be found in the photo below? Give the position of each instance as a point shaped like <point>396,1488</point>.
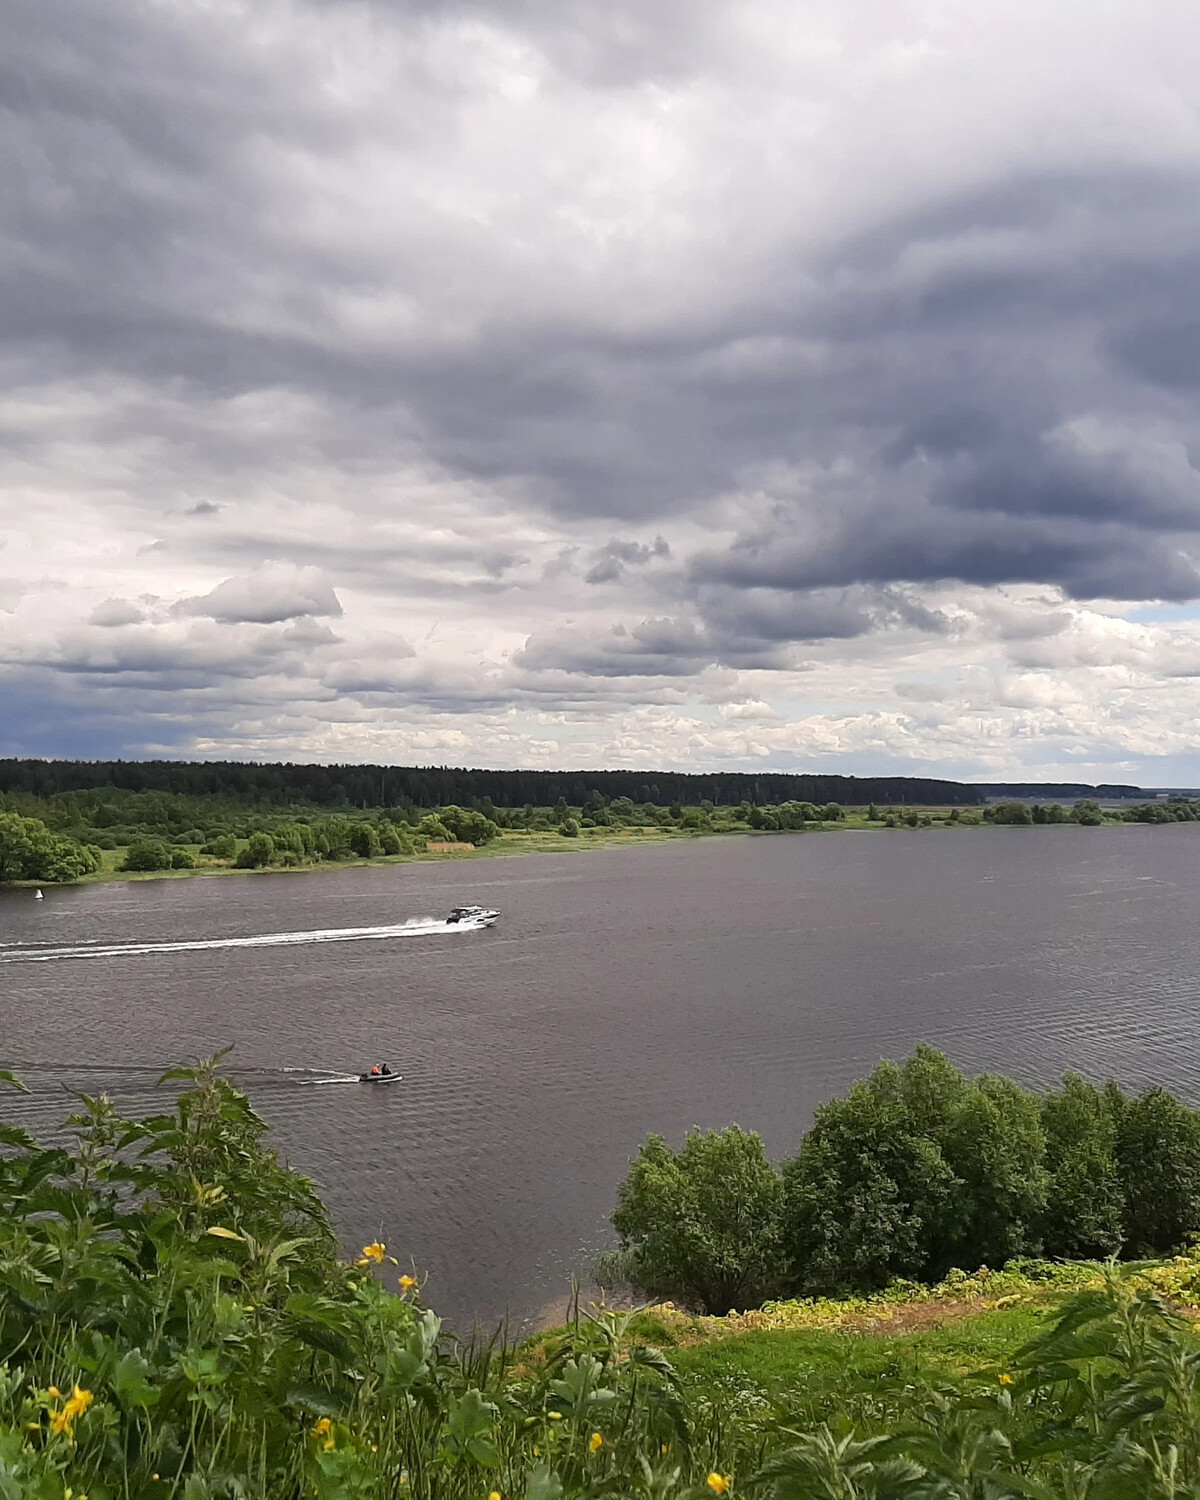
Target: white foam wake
<point>417,927</point>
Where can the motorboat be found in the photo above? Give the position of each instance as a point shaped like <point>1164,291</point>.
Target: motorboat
<point>385,1075</point>
<point>472,916</point>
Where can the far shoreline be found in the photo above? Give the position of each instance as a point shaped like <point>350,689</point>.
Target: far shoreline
<point>514,844</point>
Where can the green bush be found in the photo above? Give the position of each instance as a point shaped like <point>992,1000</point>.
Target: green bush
<point>468,826</point>
<point>919,1170</point>
<point>364,840</point>
<point>29,851</point>
<point>258,853</point>
<point>702,1223</point>
<point>147,854</point>
<point>224,846</point>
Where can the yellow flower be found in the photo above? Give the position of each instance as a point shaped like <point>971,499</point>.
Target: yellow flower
<point>1006,1380</point>
<point>407,1283</point>
<point>329,1444</point>
<point>60,1421</point>
<point>718,1483</point>
<point>54,1391</point>
<point>322,1427</point>
<point>495,1495</point>
<point>555,1416</point>
<point>78,1404</point>
<point>595,1443</point>
<point>374,1251</point>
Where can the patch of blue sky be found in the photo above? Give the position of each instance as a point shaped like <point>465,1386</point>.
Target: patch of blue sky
<point>1164,614</point>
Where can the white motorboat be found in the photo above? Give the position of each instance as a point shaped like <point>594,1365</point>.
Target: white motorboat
<point>472,916</point>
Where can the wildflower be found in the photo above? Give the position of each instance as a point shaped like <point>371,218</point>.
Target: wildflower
<point>407,1283</point>
<point>322,1427</point>
<point>555,1416</point>
<point>329,1444</point>
<point>79,1403</point>
<point>373,1252</point>
<point>595,1443</point>
<point>54,1391</point>
<point>718,1483</point>
<point>1006,1380</point>
<point>60,1421</point>
<point>495,1495</point>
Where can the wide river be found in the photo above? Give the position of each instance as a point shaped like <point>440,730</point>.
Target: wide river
<point>623,991</point>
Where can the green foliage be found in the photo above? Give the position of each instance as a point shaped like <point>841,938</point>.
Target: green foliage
<point>703,1221</point>
<point>258,853</point>
<point>1009,812</point>
<point>30,851</point>
<point>469,827</point>
<point>147,854</point>
<point>1158,1153</point>
<point>225,846</point>
<point>364,840</point>
<point>1085,1205</point>
<point>918,1169</point>
<point>175,1321</point>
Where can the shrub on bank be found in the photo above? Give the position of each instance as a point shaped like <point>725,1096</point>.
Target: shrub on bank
<point>917,1170</point>
<point>30,851</point>
<point>147,855</point>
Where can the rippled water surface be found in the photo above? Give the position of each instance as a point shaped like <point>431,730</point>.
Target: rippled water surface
<point>623,991</point>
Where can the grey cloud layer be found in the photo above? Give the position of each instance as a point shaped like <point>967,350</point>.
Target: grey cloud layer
<point>631,343</point>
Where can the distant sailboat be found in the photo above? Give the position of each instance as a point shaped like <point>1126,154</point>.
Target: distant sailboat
<point>37,896</point>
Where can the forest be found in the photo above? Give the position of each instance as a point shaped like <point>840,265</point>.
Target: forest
<point>364,786</point>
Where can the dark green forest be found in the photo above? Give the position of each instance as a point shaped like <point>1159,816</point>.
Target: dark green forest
<point>440,786</point>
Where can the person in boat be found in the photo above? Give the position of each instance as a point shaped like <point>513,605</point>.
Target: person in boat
<point>381,1070</point>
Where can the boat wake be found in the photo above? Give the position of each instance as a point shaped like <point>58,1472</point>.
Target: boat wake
<point>416,927</point>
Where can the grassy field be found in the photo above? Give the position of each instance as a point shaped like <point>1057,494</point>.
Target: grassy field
<point>866,1359</point>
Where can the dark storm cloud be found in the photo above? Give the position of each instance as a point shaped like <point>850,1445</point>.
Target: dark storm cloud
<point>986,377</point>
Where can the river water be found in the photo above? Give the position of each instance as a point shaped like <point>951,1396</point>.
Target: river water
<point>623,991</point>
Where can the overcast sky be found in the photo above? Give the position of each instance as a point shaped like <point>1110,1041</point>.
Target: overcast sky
<point>683,383</point>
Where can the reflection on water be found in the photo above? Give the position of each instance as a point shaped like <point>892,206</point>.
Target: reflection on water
<point>623,991</point>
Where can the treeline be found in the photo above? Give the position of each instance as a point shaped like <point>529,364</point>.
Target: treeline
<point>1068,791</point>
<point>439,786</point>
<point>918,1170</point>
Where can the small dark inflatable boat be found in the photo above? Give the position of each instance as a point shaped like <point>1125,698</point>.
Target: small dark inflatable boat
<point>380,1077</point>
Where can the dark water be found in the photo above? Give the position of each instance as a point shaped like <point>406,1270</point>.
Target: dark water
<point>623,991</point>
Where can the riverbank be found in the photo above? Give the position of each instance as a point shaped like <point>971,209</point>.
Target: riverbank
<point>510,842</point>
